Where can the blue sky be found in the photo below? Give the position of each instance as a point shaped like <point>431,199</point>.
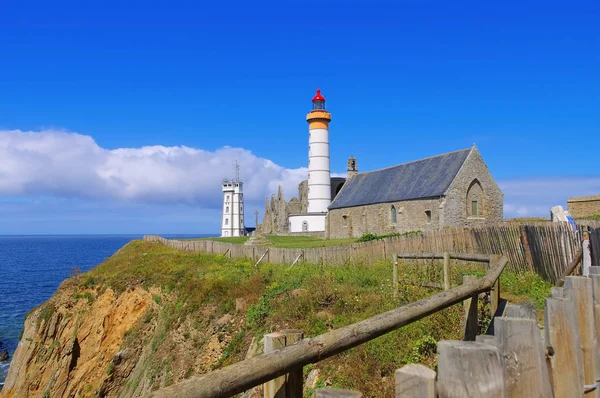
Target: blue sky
<point>127,90</point>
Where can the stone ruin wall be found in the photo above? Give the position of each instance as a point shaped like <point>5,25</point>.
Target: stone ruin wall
<point>278,210</point>
<point>584,206</point>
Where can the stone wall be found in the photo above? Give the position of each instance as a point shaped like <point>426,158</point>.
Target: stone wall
<point>275,217</point>
<point>377,219</point>
<point>584,206</point>
<point>473,182</point>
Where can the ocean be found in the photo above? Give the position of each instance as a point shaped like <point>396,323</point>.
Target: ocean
<point>32,268</point>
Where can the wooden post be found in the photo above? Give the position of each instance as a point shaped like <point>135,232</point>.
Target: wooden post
<point>295,379</point>
<point>565,359</point>
<point>395,276</point>
<point>469,369</point>
<point>595,278</point>
<point>289,385</point>
<point>487,339</point>
<point>261,257</point>
<point>274,388</point>
<point>525,311</point>
<point>495,293</point>
<point>526,247</point>
<point>336,393</point>
<point>470,306</point>
<point>447,284</point>
<point>415,381</point>
<point>587,258</point>
<point>296,260</point>
<point>579,289</point>
<point>523,358</point>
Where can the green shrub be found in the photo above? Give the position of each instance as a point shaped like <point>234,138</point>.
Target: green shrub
<point>369,236</point>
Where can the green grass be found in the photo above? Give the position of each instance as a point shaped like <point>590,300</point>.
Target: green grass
<point>305,242</point>
<point>592,218</point>
<point>292,242</point>
<point>232,239</point>
<point>331,297</point>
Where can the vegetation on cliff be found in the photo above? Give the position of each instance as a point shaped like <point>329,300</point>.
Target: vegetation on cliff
<point>171,314</point>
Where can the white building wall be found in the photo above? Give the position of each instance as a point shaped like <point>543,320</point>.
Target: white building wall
<point>232,221</point>
<point>307,223</point>
<point>319,175</point>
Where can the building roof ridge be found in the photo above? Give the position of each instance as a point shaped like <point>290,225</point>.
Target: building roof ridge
<point>417,160</point>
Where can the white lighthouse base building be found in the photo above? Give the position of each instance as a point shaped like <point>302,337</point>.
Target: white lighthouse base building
<point>310,222</point>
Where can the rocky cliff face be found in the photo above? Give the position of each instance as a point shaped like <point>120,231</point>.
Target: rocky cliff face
<point>113,332</point>
<point>69,343</point>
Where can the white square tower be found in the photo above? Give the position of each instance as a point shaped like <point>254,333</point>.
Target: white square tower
<point>232,222</point>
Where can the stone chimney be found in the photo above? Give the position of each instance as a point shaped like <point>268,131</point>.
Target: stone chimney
<point>352,167</point>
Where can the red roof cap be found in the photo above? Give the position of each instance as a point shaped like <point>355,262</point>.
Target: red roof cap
<point>318,97</point>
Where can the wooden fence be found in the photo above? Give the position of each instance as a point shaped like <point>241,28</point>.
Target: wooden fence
<point>545,248</point>
<point>286,353</point>
<point>515,360</point>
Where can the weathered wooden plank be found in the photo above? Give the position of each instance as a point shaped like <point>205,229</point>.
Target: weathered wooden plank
<point>586,261</point>
<point>415,381</point>
<point>487,339</point>
<point>579,289</point>
<point>295,379</point>
<point>480,258</point>
<point>395,276</point>
<point>596,292</point>
<point>469,369</point>
<point>447,284</point>
<point>274,388</point>
<point>523,360</point>
<point>470,306</point>
<point>525,311</point>
<point>336,393</point>
<point>572,265</point>
<point>563,347</point>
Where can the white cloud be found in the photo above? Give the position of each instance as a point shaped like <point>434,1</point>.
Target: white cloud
<point>535,196</point>
<point>69,165</point>
<point>63,164</point>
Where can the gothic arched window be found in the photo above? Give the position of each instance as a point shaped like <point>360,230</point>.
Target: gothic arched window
<point>474,200</point>
<point>393,214</point>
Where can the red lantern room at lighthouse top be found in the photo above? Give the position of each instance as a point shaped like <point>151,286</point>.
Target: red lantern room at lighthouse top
<point>318,116</point>
<point>318,101</point>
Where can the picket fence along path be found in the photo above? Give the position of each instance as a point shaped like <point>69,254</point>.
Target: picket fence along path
<point>545,248</point>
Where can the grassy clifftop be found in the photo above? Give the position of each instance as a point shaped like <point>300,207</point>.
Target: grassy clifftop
<point>201,312</point>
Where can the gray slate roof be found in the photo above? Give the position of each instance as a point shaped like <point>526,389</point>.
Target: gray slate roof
<point>426,178</point>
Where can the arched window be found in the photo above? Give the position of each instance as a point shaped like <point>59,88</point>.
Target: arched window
<point>304,226</point>
<point>474,202</point>
<point>393,214</point>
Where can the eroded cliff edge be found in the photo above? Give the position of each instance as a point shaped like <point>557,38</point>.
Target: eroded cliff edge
<point>151,316</point>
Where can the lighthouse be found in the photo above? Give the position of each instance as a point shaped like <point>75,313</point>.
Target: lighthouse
<point>232,220</point>
<point>319,173</point>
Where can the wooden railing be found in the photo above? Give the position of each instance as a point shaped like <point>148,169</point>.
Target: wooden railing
<point>286,361</point>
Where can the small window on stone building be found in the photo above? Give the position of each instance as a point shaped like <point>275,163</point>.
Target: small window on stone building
<point>227,209</point>
<point>227,198</point>
<point>344,221</point>
<point>474,208</point>
<point>428,214</point>
<point>227,221</point>
<point>304,226</point>
<point>393,214</point>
